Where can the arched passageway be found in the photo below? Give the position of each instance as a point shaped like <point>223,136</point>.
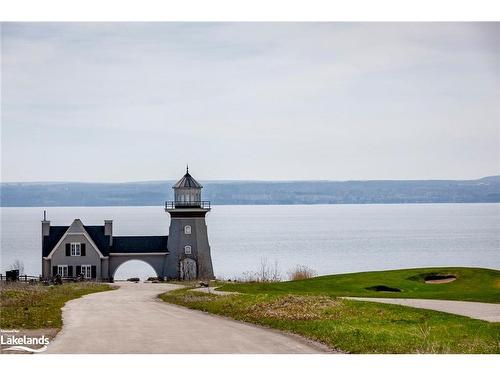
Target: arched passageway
<point>134,268</point>
<point>155,261</point>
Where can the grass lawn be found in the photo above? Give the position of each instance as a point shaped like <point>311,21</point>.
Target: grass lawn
<point>310,308</point>
<point>25,306</point>
<point>472,284</point>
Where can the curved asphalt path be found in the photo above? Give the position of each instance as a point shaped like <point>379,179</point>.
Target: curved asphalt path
<point>489,312</point>
<point>132,319</point>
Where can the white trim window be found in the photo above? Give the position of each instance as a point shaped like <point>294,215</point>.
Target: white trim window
<point>187,250</point>
<point>62,270</point>
<point>187,229</point>
<point>75,249</point>
<point>86,271</point>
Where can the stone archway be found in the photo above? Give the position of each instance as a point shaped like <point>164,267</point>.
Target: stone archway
<point>134,268</point>
<point>157,262</point>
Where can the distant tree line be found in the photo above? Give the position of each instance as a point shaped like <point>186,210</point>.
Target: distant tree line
<point>253,192</point>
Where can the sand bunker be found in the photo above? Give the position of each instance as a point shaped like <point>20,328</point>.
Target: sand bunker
<point>383,288</point>
<point>439,279</point>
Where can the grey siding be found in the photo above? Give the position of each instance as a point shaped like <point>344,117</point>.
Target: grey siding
<point>105,268</point>
<point>205,268</point>
<point>91,254</point>
<point>46,269</point>
<point>198,240</point>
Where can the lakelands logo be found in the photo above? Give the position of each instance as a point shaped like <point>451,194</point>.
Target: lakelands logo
<point>22,343</point>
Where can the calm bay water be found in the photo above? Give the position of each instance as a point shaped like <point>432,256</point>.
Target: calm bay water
<point>326,238</point>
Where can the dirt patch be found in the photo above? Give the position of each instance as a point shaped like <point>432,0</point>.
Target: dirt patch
<point>8,334</point>
<point>197,297</point>
<point>383,288</point>
<point>439,279</point>
<point>292,307</point>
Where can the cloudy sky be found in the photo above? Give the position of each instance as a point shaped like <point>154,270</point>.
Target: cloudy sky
<point>137,101</point>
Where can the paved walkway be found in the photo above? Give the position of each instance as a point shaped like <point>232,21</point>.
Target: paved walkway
<point>132,320</point>
<point>213,290</point>
<point>477,310</point>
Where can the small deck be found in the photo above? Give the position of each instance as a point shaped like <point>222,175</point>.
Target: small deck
<point>171,205</point>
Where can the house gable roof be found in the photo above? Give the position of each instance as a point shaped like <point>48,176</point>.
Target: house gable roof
<point>96,232</point>
<point>121,244</point>
<point>50,241</point>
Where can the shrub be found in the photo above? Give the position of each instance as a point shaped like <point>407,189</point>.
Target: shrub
<point>266,273</point>
<point>302,273</point>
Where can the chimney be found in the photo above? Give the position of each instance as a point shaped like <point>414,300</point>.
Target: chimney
<point>108,230</point>
<point>45,225</point>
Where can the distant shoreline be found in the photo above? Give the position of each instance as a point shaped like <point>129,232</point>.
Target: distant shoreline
<point>63,194</point>
<point>266,204</point>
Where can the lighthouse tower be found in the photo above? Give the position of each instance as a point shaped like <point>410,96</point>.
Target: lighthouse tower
<point>188,247</point>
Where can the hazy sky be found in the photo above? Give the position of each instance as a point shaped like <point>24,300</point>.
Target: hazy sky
<point>125,101</point>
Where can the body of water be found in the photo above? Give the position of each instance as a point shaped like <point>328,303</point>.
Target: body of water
<point>327,238</point>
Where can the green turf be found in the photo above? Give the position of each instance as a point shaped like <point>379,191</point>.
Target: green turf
<point>351,326</point>
<point>472,284</point>
<point>25,306</point>
<point>310,308</point>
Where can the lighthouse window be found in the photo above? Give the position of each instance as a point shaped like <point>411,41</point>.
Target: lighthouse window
<point>187,229</point>
<point>187,249</point>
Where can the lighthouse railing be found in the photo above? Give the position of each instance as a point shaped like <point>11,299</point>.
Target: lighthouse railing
<point>170,205</point>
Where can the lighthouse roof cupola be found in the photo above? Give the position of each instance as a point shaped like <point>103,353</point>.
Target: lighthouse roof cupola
<point>187,192</point>
<point>187,182</point>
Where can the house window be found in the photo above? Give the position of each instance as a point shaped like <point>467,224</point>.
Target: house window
<point>187,250</point>
<point>62,270</point>
<point>187,229</point>
<point>86,271</point>
<point>75,250</point>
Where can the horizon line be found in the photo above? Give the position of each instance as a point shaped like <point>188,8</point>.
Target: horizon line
<point>245,180</point>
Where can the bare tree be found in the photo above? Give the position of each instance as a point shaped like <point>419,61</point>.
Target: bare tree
<point>263,270</point>
<point>18,265</point>
<point>267,272</point>
<point>249,277</point>
<point>275,273</point>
